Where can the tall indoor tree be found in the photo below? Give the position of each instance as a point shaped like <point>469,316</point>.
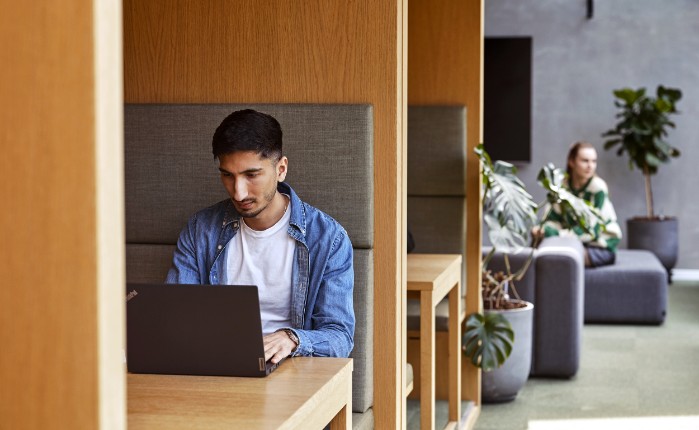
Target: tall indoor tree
<point>643,125</point>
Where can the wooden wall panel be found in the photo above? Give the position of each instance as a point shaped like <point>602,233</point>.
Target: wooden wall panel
<point>325,51</point>
<point>50,372</point>
<point>446,67</point>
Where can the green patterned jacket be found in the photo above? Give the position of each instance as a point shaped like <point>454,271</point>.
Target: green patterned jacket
<point>596,192</point>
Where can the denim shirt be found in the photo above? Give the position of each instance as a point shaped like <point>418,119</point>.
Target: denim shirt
<point>322,279</point>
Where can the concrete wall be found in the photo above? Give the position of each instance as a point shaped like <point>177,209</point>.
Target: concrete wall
<point>578,62</point>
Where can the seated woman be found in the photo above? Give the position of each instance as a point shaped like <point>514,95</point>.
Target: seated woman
<point>600,248</point>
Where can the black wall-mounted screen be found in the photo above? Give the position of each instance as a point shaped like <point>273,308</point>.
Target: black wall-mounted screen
<point>507,93</point>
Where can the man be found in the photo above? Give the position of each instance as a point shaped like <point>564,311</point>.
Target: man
<point>299,257</point>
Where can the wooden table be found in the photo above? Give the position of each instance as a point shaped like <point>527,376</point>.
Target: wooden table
<point>304,392</point>
<point>430,278</point>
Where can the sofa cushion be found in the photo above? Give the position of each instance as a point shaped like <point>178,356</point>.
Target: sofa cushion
<point>632,290</point>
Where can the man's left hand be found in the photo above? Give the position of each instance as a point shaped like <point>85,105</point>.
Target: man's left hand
<point>277,346</point>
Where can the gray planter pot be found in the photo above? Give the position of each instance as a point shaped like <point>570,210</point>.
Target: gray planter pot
<point>503,383</point>
<point>659,236</point>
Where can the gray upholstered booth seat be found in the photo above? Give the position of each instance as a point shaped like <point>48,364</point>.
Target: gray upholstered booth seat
<point>632,290</point>
<point>437,190</point>
<point>170,174</point>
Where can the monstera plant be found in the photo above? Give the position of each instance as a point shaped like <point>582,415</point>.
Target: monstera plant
<point>510,213</point>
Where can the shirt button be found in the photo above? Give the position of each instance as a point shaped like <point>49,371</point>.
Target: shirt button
<point>219,247</point>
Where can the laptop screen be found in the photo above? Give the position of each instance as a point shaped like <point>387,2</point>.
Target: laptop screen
<point>194,330</point>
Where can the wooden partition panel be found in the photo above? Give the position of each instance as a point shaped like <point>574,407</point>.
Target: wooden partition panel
<point>446,67</point>
<point>61,343</point>
<point>320,51</point>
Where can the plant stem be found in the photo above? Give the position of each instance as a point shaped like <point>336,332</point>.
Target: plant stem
<point>649,193</point>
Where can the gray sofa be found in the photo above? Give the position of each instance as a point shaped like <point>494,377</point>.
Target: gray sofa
<point>170,174</point>
<point>566,294</point>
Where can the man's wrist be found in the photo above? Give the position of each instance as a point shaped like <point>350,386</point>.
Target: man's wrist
<point>293,337</point>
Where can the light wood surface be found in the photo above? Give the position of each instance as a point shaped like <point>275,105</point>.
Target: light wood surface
<point>430,278</point>
<point>304,392</point>
<point>318,51</point>
<point>109,162</point>
<point>446,67</point>
<point>56,369</point>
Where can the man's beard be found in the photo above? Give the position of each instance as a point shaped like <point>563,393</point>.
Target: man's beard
<point>267,198</point>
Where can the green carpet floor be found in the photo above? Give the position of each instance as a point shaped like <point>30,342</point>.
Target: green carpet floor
<point>625,371</point>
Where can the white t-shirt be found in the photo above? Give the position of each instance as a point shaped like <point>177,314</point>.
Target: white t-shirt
<point>264,258</point>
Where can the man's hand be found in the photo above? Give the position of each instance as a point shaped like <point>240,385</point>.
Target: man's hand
<point>277,346</point>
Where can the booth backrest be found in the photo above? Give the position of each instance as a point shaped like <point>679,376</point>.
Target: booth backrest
<point>437,180</point>
<point>170,174</point>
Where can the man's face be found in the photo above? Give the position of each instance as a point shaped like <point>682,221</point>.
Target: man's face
<point>251,180</point>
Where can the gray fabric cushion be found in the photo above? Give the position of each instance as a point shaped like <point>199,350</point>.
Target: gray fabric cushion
<point>170,168</point>
<point>438,225</point>
<point>148,263</point>
<point>633,290</point>
<point>437,151</point>
<point>363,352</point>
<point>363,421</point>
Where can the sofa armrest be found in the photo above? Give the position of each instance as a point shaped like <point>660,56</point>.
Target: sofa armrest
<point>563,244</point>
<point>558,312</point>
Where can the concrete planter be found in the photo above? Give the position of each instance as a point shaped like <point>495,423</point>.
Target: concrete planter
<point>503,383</point>
<point>659,236</point>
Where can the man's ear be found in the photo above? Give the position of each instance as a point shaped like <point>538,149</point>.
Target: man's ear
<point>282,166</point>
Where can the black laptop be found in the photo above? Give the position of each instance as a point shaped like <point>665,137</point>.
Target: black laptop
<point>195,330</point>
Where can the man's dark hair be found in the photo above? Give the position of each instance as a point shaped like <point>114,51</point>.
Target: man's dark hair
<point>249,130</point>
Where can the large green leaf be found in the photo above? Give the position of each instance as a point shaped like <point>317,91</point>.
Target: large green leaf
<point>509,210</point>
<point>575,211</point>
<point>488,340</point>
<point>671,94</point>
<point>628,95</point>
<point>503,235</point>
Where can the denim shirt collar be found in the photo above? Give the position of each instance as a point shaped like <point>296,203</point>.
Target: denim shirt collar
<point>297,221</point>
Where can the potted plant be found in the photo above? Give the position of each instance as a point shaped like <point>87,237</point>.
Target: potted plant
<point>504,329</point>
<point>643,125</point>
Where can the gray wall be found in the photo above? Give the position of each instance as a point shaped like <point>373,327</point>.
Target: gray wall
<point>576,65</point>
